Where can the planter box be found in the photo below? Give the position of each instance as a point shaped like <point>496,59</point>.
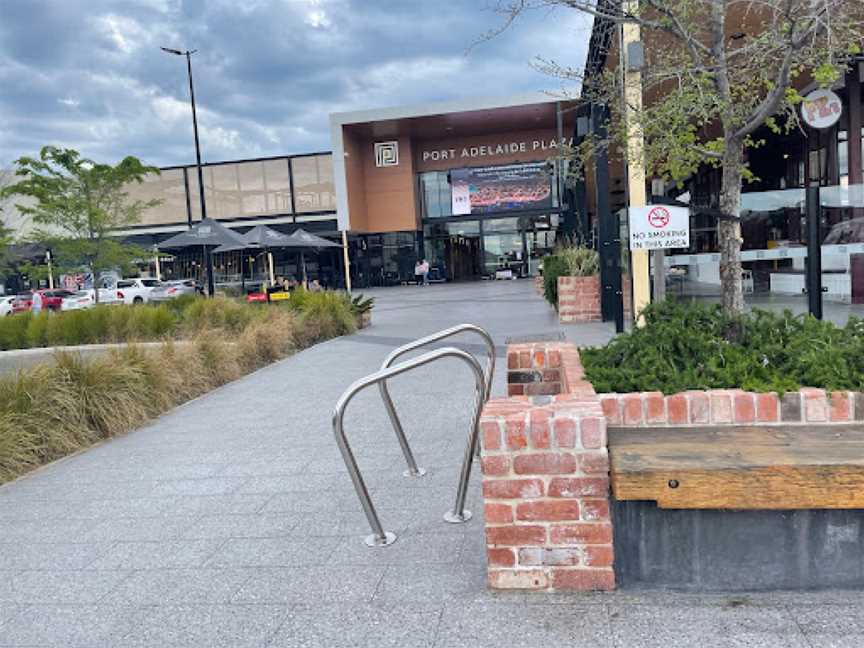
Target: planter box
<point>364,320</point>
<point>579,299</point>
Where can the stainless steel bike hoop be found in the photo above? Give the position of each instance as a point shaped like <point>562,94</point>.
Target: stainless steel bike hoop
<point>379,536</point>
<point>413,470</point>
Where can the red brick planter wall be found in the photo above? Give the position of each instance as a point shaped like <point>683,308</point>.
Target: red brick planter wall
<point>546,476</point>
<point>579,299</point>
<point>731,406</point>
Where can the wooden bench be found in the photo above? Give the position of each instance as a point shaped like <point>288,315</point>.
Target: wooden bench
<point>740,467</point>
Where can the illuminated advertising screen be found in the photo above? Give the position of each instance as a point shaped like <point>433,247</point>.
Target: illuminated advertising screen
<point>481,190</point>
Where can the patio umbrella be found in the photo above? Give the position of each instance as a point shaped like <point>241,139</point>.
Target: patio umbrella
<point>261,238</point>
<point>208,234</point>
<point>305,241</point>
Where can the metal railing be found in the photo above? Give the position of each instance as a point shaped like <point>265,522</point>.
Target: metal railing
<point>379,536</point>
<point>413,470</point>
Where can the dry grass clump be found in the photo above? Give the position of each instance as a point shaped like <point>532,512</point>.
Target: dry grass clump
<point>62,406</point>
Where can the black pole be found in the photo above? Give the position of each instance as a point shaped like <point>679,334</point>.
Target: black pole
<point>211,288</point>
<point>814,251</point>
<point>609,232</point>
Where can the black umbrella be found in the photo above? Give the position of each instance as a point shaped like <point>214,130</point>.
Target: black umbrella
<point>261,238</point>
<point>305,241</point>
<point>208,234</point>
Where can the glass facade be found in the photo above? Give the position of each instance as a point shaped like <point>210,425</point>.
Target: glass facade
<point>435,194</point>
<point>245,189</point>
<point>168,187</point>
<point>382,259</point>
<point>471,249</point>
<point>313,183</point>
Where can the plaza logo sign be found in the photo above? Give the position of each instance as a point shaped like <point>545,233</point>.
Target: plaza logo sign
<point>386,154</point>
<point>551,145</point>
<point>821,109</point>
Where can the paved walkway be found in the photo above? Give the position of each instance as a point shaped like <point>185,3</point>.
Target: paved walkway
<point>231,522</point>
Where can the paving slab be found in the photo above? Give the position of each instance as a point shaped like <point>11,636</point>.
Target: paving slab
<point>230,521</point>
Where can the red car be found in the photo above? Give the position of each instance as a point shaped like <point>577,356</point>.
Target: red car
<point>51,300</point>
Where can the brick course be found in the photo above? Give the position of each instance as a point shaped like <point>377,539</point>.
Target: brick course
<point>732,407</point>
<point>579,299</point>
<point>545,476</point>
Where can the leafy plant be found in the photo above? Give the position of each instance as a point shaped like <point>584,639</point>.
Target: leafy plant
<point>360,305</point>
<point>580,261</point>
<point>554,266</point>
<point>684,346</point>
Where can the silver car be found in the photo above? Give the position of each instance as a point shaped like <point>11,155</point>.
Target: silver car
<point>171,289</point>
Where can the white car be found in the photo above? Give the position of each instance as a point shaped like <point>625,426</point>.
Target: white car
<point>86,299</point>
<point>6,305</point>
<point>136,291</point>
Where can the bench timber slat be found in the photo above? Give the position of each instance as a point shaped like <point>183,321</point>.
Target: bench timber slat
<point>740,467</point>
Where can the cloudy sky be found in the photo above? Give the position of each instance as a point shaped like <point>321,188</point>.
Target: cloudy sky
<point>89,73</point>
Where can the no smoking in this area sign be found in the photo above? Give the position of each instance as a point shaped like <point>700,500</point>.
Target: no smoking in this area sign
<point>659,227</point>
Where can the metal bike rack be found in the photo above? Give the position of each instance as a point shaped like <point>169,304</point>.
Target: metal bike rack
<point>379,537</point>
<point>413,470</point>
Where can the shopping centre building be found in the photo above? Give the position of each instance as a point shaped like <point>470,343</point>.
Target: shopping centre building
<point>475,187</point>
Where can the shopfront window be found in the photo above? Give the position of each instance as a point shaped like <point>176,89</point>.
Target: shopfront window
<point>435,194</point>
<point>383,259</point>
<point>503,252</point>
<point>453,228</point>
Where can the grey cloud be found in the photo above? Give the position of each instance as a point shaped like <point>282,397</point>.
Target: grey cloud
<point>89,74</point>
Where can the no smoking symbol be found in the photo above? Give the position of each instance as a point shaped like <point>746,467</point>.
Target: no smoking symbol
<point>658,217</point>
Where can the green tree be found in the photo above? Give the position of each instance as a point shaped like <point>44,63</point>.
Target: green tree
<point>716,72</point>
<point>77,204</point>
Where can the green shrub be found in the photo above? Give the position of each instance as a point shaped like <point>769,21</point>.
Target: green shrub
<point>37,329</point>
<point>683,346</point>
<point>361,304</point>
<point>580,261</point>
<point>322,316</point>
<point>554,266</point>
<point>218,313</point>
<point>13,331</point>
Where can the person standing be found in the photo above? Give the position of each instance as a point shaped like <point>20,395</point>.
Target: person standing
<point>425,272</point>
<point>36,303</point>
<point>418,273</point>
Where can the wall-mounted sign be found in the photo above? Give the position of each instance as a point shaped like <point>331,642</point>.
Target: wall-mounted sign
<point>480,190</point>
<point>821,109</point>
<point>386,154</point>
<point>659,227</point>
<point>551,145</point>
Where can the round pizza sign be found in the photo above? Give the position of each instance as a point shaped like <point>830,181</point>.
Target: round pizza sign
<point>821,109</point>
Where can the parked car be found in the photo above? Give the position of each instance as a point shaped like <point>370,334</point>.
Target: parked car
<point>52,299</point>
<point>87,299</point>
<point>22,302</point>
<point>6,305</point>
<point>136,291</point>
<point>171,289</point>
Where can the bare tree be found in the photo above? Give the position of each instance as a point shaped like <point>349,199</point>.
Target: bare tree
<point>716,72</point>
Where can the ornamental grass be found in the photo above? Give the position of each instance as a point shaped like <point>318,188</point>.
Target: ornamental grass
<point>69,403</point>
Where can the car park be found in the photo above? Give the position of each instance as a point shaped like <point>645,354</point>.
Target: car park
<point>53,298</point>
<point>6,305</point>
<point>136,291</point>
<point>22,303</point>
<point>171,289</point>
<point>87,299</point>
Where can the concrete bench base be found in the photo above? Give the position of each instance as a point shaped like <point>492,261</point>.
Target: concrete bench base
<point>724,550</point>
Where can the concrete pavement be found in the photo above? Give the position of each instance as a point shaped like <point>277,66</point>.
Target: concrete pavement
<point>230,521</point>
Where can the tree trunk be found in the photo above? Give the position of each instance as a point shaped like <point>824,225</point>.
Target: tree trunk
<point>729,229</point>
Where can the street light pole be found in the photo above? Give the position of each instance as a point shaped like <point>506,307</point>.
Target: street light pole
<point>207,252</point>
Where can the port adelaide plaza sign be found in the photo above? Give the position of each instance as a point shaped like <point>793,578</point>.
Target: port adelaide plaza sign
<point>545,145</point>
